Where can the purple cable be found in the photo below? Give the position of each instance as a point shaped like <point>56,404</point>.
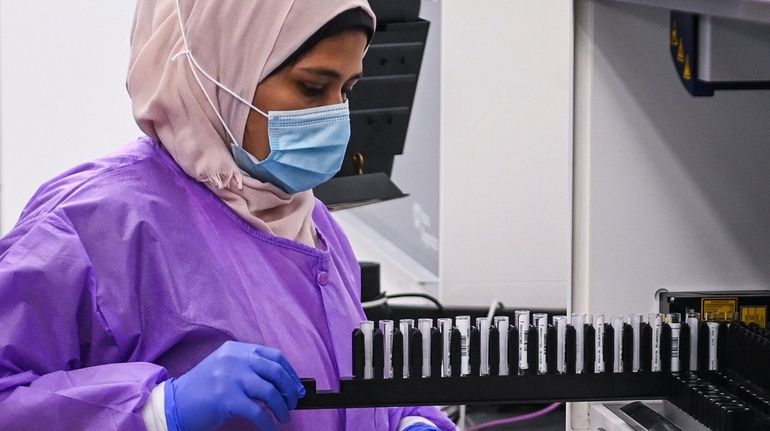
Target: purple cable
<point>515,419</point>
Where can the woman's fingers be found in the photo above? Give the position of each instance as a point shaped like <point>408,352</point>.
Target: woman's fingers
<point>277,375</point>
<point>276,356</point>
<point>265,391</point>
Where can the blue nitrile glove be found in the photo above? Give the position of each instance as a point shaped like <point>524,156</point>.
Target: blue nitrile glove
<point>421,427</point>
<point>227,384</point>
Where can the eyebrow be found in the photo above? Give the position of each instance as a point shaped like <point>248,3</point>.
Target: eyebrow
<point>329,73</point>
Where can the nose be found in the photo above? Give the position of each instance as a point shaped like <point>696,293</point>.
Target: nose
<point>336,97</point>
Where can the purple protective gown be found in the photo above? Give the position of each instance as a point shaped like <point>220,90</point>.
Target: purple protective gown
<point>124,271</point>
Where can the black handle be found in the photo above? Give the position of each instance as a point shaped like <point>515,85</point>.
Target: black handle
<point>475,352</point>
<point>378,354</point>
<point>415,354</point>
<point>589,349</point>
<point>358,353</point>
<point>494,351</point>
<point>398,354</point>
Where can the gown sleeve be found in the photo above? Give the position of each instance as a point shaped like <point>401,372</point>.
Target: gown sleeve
<point>60,367</point>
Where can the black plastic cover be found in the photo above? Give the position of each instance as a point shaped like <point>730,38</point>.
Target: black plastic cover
<point>380,108</point>
<point>370,281</point>
<point>349,192</point>
<point>395,10</point>
<point>589,349</point>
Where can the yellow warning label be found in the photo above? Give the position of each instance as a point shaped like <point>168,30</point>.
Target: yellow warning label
<point>754,314</point>
<point>680,52</point>
<point>674,34</point>
<point>718,308</point>
<point>687,73</point>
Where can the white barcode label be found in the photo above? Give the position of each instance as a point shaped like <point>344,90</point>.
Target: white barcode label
<point>523,338</point>
<point>674,354</point>
<point>713,339</point>
<point>599,344</point>
<point>676,330</point>
<point>542,361</point>
<point>656,324</point>
<point>463,324</point>
<point>675,347</point>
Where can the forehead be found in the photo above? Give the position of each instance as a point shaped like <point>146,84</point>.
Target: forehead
<point>338,50</point>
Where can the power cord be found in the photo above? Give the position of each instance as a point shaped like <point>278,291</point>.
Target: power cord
<point>430,298</point>
<point>384,299</point>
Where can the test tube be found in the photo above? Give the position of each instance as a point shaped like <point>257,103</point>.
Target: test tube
<point>617,327</point>
<point>386,327</point>
<point>713,337</point>
<point>693,318</point>
<point>463,324</point>
<point>517,314</point>
<point>522,323</point>
<point>482,324</point>
<point>598,343</point>
<point>367,327</point>
<point>425,326</point>
<point>656,322</point>
<point>541,323</point>
<point>406,326</point>
<point>502,322</point>
<point>536,318</point>
<point>560,322</point>
<point>445,327</point>
<point>635,321</point>
<point>674,321</point>
<point>578,322</point>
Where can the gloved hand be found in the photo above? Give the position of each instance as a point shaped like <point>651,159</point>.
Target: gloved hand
<point>227,384</point>
<point>421,427</point>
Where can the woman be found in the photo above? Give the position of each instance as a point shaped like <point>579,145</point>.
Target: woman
<point>142,290</point>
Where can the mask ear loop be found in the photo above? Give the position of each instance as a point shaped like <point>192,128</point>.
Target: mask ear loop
<point>194,65</point>
<point>216,179</point>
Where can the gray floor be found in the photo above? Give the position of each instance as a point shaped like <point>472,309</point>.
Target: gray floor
<point>553,421</point>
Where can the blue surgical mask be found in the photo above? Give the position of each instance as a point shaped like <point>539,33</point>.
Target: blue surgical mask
<point>307,147</point>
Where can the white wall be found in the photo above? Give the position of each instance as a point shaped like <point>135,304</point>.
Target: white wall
<point>672,190</point>
<point>62,90</point>
<point>506,183</point>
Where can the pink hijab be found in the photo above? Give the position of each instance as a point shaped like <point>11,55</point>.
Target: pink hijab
<point>239,43</point>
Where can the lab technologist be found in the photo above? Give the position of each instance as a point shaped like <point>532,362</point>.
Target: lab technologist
<point>187,280</point>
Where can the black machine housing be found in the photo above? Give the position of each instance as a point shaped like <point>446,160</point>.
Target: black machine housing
<point>380,108</point>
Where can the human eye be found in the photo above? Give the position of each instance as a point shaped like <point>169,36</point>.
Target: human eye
<point>311,90</point>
